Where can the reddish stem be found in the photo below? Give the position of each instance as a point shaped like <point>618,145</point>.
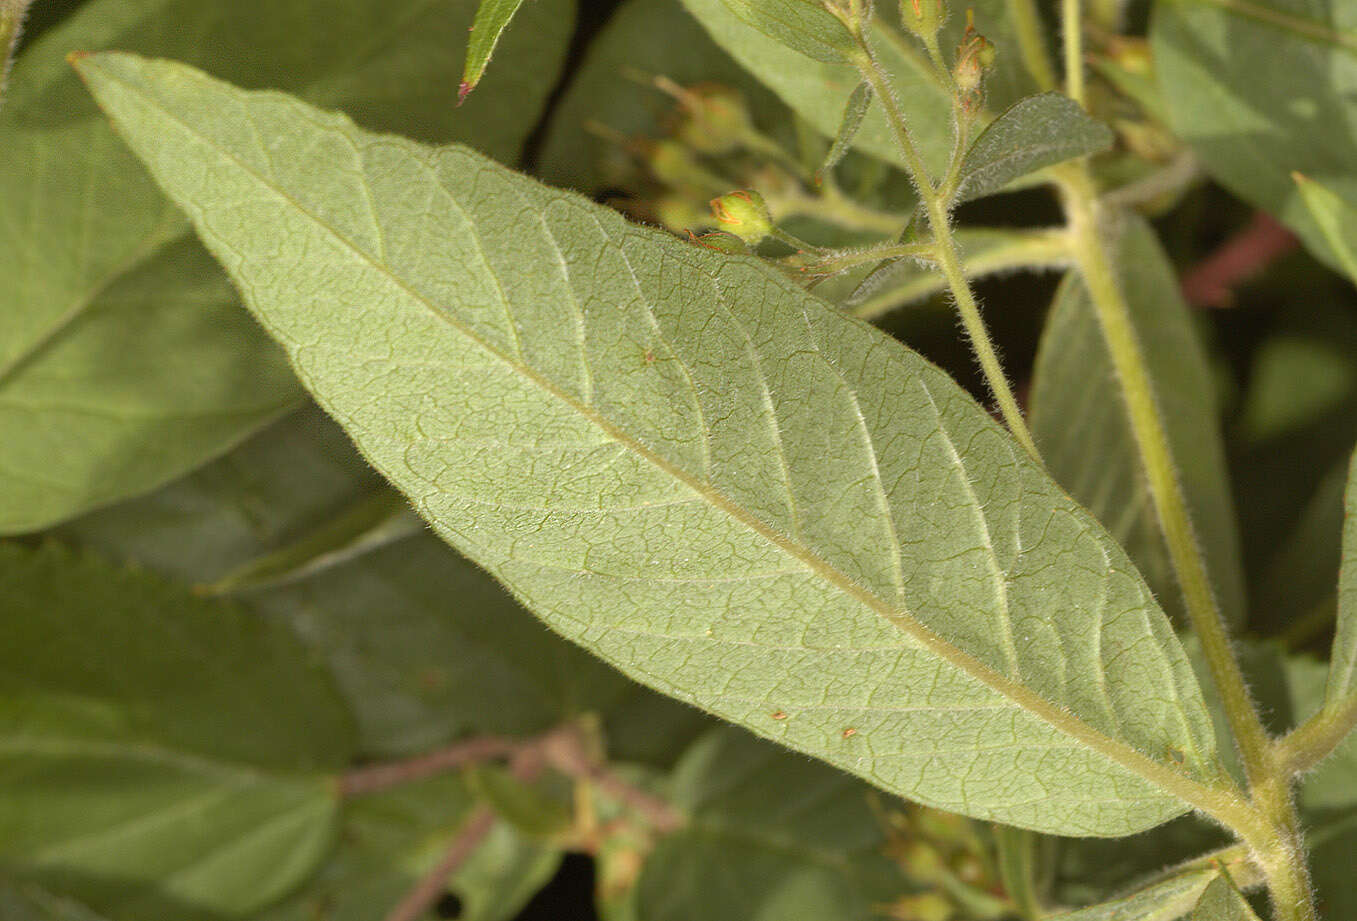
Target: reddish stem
<point>384,776</point>
<point>1210,283</point>
<point>430,889</point>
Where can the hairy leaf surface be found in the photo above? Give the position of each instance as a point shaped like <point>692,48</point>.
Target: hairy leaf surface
<point>163,755</point>
<point>1033,133</point>
<point>688,465</point>
<point>1080,421</point>
<point>124,360</point>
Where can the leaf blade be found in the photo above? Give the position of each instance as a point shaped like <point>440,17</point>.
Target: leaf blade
<point>1031,134</point>
<point>666,498</point>
<point>492,18</point>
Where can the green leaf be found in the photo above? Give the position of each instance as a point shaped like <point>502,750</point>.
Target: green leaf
<point>1081,424</point>
<point>1222,902</point>
<point>1250,131</point>
<point>1337,220</point>
<point>166,754</point>
<point>1031,134</point>
<point>425,647</point>
<point>1343,669</point>
<point>1166,900</point>
<point>124,359</point>
<point>859,102</point>
<point>741,458</point>
<point>389,840</point>
<point>492,18</point>
<point>802,25</point>
<point>819,89</point>
<point>770,837</point>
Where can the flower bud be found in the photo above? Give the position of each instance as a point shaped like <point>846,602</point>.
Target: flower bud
<point>974,60</point>
<point>744,214</point>
<point>928,906</point>
<point>923,17</point>
<point>715,120</point>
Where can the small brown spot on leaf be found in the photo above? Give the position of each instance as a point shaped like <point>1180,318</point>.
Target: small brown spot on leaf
<point>779,714</point>
<point>849,732</point>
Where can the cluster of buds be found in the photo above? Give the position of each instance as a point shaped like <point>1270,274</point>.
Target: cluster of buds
<point>974,60</point>
<point>945,856</point>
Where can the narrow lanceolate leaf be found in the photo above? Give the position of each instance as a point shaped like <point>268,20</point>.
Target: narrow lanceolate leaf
<point>1343,663</point>
<point>853,112</point>
<point>1222,902</point>
<point>1167,900</point>
<point>687,464</point>
<point>492,18</point>
<point>1081,423</point>
<point>164,756</point>
<point>1033,133</point>
<point>1337,221</point>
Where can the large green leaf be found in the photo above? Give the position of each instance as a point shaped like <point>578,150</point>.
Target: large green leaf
<point>770,837</point>
<point>817,88</point>
<point>165,756</point>
<point>1343,668</point>
<point>124,360</point>
<point>389,840</point>
<point>1262,89</point>
<point>424,646</point>
<point>1080,421</point>
<point>682,461</point>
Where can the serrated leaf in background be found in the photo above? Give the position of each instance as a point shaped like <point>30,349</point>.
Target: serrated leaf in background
<point>164,756</point>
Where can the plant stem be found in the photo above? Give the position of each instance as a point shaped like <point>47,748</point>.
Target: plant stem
<point>431,887</point>
<point>1035,249</point>
<point>1032,42</point>
<point>11,26</point>
<point>945,249</point>
<point>1316,738</point>
<point>1277,848</point>
<point>380,777</point>
<point>1072,27</point>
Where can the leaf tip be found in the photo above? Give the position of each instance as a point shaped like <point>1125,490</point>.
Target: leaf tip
<point>463,90</point>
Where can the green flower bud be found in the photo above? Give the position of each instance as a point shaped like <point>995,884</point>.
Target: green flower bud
<point>744,214</point>
<point>715,120</point>
<point>974,60</point>
<point>923,17</point>
<point>929,906</point>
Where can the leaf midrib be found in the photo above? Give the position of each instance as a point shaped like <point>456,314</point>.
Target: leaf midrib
<point>1213,800</point>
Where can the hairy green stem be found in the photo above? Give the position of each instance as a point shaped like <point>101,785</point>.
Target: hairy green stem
<point>1277,849</point>
<point>1032,43</point>
<point>11,26</point>
<point>949,261</point>
<point>1073,37</point>
<point>1035,249</point>
<point>1316,738</point>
